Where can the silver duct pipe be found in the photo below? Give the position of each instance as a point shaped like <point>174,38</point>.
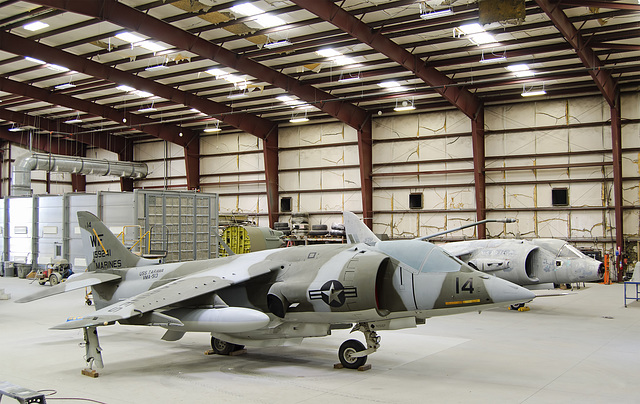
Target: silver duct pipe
<point>21,183</point>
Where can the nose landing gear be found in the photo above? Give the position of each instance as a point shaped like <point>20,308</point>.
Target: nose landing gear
<point>352,353</point>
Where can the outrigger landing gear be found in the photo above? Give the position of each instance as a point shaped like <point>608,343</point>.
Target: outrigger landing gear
<point>519,307</point>
<point>352,353</point>
<point>93,352</point>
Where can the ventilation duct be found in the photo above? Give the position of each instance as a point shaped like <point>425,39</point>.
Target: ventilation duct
<point>68,164</point>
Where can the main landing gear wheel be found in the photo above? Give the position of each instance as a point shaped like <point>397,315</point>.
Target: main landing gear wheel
<point>346,351</point>
<point>221,347</point>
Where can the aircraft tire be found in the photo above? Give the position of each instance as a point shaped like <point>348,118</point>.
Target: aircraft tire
<point>348,348</point>
<point>221,347</point>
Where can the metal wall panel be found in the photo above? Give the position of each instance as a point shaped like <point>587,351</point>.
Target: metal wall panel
<point>74,203</point>
<point>50,220</point>
<point>21,230</point>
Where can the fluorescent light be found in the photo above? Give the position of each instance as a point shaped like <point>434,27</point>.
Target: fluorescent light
<point>285,98</point>
<point>277,44</point>
<point>156,68</point>
<point>247,9</point>
<point>212,130</point>
<point>405,108</point>
<point>469,29</point>
<point>524,73</point>
<point>152,46</point>
<point>36,25</point>
<point>74,120</point>
<point>217,72</point>
<point>344,60</point>
<point>233,78</point>
<point>268,21</point>
<point>123,87</point>
<point>328,53</point>
<point>493,60</point>
<point>435,14</point>
<point>195,110</point>
<point>129,37</point>
<point>298,120</point>
<point>141,93</point>
<point>148,109</point>
<point>16,129</point>
<point>64,86</point>
<point>34,60</point>
<point>57,68</point>
<point>517,68</point>
<point>482,38</point>
<point>533,93</point>
<point>389,84</point>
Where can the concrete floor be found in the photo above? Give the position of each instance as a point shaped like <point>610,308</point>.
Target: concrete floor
<point>584,347</point>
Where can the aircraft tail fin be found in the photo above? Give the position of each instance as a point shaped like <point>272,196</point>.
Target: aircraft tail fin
<point>357,231</point>
<point>103,250</point>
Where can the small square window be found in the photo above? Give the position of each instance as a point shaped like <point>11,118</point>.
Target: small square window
<point>415,201</point>
<point>559,196</point>
<point>285,204</point>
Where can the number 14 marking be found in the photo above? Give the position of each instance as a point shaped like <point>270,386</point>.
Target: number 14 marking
<point>466,287</point>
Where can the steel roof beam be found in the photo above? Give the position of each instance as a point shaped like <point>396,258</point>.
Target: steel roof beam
<point>140,22</point>
<point>587,56</point>
<point>462,99</point>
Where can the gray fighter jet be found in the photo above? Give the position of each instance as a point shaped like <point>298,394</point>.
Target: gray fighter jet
<point>273,297</point>
<point>535,263</point>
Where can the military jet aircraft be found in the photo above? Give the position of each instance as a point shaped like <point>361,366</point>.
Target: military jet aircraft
<point>273,297</point>
<point>532,263</point>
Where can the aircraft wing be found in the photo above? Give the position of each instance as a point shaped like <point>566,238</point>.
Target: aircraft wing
<point>166,295</point>
<point>75,281</point>
<point>460,249</point>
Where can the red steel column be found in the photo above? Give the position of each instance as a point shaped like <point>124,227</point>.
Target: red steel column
<point>366,169</point>
<point>616,150</point>
<point>477,140</point>
<point>270,155</point>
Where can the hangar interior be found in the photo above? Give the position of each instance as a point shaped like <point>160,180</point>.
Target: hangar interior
<point>418,116</point>
<point>207,82</point>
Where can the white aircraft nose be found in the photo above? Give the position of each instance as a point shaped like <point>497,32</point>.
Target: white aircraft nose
<point>502,291</point>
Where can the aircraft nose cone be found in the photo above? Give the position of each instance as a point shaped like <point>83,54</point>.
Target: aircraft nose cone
<point>502,291</point>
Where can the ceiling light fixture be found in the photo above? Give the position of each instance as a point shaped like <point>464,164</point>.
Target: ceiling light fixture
<point>520,70</point>
<point>57,68</point>
<point>35,26</point>
<point>247,9</point>
<point>533,90</point>
<point>347,77</point>
<point>404,105</point>
<point>493,58</point>
<point>74,120</point>
<point>269,21</point>
<point>475,33</point>
<point>34,60</point>
<point>129,37</point>
<point>297,118</point>
<point>126,88</point>
<point>148,109</point>
<point>152,46</point>
<point>64,86</point>
<point>427,12</point>
<point>144,94</point>
<point>277,44</point>
<point>156,68</point>
<point>215,128</point>
<point>328,53</point>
